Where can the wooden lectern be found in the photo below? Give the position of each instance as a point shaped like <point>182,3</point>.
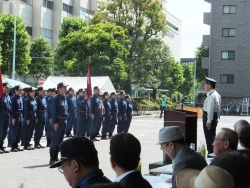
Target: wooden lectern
<point>187,122</point>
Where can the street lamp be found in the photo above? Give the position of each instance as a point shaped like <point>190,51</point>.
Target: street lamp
<point>196,54</point>
<point>14,45</point>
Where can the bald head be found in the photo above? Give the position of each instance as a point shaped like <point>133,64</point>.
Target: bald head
<point>239,125</point>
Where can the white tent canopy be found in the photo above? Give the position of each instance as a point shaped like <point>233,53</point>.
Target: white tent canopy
<point>103,82</point>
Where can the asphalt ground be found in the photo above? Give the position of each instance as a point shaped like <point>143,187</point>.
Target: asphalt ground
<point>33,168</point>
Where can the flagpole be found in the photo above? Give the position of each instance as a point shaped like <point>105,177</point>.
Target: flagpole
<point>89,87</point>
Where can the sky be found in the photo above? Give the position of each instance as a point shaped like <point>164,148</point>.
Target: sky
<point>190,13</point>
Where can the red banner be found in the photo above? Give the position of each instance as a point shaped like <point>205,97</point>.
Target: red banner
<point>89,87</point>
<point>1,83</point>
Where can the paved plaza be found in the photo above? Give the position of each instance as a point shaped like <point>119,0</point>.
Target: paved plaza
<point>33,168</point>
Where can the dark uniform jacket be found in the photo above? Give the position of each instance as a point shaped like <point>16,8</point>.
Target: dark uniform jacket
<point>134,180</point>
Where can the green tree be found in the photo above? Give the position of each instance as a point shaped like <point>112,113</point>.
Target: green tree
<point>188,85</point>
<point>201,73</point>
<point>143,21</point>
<point>1,30</point>
<point>106,43</point>
<point>22,45</point>
<point>70,25</point>
<point>42,58</point>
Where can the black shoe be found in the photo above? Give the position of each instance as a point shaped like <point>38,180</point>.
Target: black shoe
<point>52,159</point>
<point>104,138</point>
<point>4,150</point>
<point>37,146</point>
<point>19,149</point>
<point>41,146</point>
<point>14,150</point>
<point>1,151</point>
<point>22,144</point>
<point>27,147</point>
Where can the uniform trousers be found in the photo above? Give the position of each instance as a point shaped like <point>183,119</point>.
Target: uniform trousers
<point>112,123</point>
<point>57,137</point>
<point>95,124</point>
<point>28,129</point>
<point>39,127</point>
<point>81,123</point>
<point>16,129</point>
<point>47,127</point>
<point>127,123</point>
<point>210,134</point>
<point>4,123</point>
<point>121,124</point>
<point>70,121</point>
<point>105,124</point>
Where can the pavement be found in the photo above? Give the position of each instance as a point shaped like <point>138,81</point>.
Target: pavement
<point>33,168</point>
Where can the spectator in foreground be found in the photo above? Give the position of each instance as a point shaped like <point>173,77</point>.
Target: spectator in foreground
<point>79,163</point>
<point>225,141</point>
<point>245,140</point>
<point>237,164</point>
<point>125,152</point>
<point>106,185</point>
<point>172,143</point>
<point>209,177</point>
<point>239,125</point>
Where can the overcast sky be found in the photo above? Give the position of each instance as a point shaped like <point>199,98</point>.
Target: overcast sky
<point>190,12</point>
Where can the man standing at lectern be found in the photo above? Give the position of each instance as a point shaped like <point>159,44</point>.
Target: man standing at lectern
<point>211,108</point>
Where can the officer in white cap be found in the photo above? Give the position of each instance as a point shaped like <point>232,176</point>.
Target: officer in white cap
<point>211,108</point>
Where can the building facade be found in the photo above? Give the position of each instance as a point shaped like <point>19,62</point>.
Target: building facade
<point>229,54</point>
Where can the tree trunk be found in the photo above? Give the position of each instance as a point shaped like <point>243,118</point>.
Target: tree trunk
<point>154,93</point>
<point>127,86</point>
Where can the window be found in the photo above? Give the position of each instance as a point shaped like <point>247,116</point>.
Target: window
<point>227,78</point>
<point>29,30</point>
<point>29,2</point>
<point>67,8</point>
<point>46,33</point>
<point>48,4</point>
<point>229,9</point>
<point>229,55</point>
<point>228,32</point>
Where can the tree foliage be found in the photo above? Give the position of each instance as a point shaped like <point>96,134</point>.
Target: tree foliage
<point>188,73</point>
<point>143,21</point>
<point>22,45</point>
<point>201,73</point>
<point>71,24</point>
<point>42,58</point>
<point>105,43</point>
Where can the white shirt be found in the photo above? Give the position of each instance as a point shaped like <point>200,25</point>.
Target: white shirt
<point>118,179</point>
<point>212,104</point>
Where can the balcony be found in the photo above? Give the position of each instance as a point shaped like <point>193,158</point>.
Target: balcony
<point>207,18</point>
<point>205,63</point>
<point>206,40</point>
<point>208,1</point>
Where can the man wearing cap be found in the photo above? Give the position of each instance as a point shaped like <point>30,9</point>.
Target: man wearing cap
<point>95,108</point>
<point>16,119</point>
<point>82,109</point>
<point>41,110</point>
<point>106,115</point>
<point>30,110</point>
<point>172,143</point>
<point>122,108</point>
<point>113,119</point>
<point>59,115</point>
<point>79,163</point>
<point>50,129</point>
<point>211,108</point>
<point>5,109</point>
<point>71,101</point>
<point>128,113</point>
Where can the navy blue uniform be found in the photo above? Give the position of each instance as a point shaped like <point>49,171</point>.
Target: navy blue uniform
<point>41,110</point>
<point>106,116</point>
<point>88,119</point>
<point>5,109</point>
<point>128,116</point>
<point>47,125</point>
<point>17,110</point>
<point>30,109</point>
<point>59,115</point>
<point>10,123</point>
<point>23,127</point>
<point>82,109</point>
<point>71,101</point>
<point>113,121</point>
<point>49,116</point>
<point>122,108</point>
<point>95,107</point>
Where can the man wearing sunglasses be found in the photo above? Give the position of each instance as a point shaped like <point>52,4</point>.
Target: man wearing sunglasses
<point>79,163</point>
<point>172,143</point>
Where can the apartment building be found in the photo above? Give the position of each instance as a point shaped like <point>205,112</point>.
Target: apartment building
<point>229,54</point>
